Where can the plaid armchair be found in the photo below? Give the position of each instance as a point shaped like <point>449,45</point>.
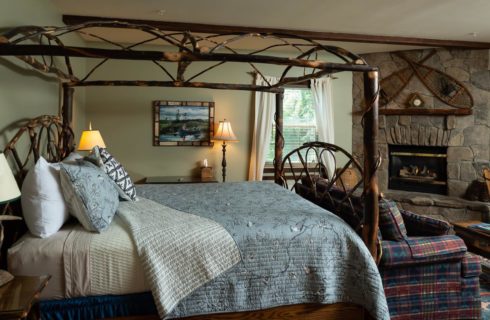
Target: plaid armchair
<point>426,273</point>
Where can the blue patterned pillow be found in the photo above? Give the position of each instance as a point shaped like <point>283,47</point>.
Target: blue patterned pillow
<point>90,194</point>
<point>391,221</point>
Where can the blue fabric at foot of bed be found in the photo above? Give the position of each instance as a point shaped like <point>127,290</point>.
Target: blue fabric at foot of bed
<point>98,307</point>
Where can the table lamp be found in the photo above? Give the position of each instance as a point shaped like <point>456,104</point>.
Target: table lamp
<point>89,139</point>
<point>224,133</point>
<point>9,190</point>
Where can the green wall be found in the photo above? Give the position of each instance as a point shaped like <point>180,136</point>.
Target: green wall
<point>24,92</point>
<point>123,114</point>
<point>124,117</point>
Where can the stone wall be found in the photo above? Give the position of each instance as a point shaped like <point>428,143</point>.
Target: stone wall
<point>467,137</point>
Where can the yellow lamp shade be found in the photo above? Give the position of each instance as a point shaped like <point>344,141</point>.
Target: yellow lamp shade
<point>89,139</point>
<point>224,132</point>
<point>9,190</point>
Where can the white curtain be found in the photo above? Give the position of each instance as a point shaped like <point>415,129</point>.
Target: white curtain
<point>265,107</point>
<point>321,90</point>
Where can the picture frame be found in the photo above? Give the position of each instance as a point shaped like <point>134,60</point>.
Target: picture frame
<point>183,123</point>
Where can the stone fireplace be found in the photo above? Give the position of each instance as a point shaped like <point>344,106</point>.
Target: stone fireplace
<point>465,140</point>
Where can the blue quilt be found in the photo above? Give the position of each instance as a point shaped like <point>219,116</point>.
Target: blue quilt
<point>292,250</point>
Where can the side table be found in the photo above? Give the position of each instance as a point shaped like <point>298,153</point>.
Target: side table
<point>477,241</point>
<point>19,295</point>
<point>177,180</point>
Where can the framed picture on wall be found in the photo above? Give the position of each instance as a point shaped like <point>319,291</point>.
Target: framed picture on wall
<point>183,123</point>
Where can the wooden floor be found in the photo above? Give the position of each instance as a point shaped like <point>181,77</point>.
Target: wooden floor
<point>341,311</point>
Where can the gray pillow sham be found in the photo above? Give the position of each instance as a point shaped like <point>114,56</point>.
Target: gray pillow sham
<point>89,193</point>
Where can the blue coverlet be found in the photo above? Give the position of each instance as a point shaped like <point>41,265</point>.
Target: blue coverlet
<point>292,250</point>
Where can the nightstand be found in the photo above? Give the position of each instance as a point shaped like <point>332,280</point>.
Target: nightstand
<point>177,180</point>
<point>19,295</point>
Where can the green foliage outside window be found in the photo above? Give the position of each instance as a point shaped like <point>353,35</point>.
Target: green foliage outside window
<point>299,122</point>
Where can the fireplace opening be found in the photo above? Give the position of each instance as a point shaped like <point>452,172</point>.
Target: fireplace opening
<point>418,168</point>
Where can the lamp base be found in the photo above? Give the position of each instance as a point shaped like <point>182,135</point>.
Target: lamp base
<point>223,163</point>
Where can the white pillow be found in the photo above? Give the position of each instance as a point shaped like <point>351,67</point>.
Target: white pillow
<point>43,204</point>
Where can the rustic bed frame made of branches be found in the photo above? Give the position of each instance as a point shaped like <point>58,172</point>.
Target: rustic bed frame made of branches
<point>43,49</point>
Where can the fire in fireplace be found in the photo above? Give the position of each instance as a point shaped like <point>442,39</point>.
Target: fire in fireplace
<point>418,168</point>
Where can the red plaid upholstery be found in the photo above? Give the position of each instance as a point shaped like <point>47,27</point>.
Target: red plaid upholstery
<point>418,225</point>
<point>390,221</point>
<point>432,291</point>
<point>430,277</point>
<point>415,251</point>
<point>437,248</point>
<point>471,266</point>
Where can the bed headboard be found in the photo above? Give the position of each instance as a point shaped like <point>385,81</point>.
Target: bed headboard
<point>44,136</point>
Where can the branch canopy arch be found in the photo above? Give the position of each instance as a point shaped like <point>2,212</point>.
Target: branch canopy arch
<point>44,49</point>
<point>38,46</point>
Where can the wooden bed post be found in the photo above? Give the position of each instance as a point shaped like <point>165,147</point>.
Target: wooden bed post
<point>67,115</point>
<point>279,141</point>
<point>67,105</point>
<point>371,210</point>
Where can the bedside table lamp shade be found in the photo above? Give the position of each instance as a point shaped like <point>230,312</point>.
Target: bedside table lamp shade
<point>89,139</point>
<point>9,190</point>
<point>224,133</point>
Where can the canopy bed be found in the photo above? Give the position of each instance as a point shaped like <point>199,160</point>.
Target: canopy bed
<point>43,49</point>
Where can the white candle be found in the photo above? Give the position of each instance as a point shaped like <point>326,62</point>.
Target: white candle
<point>205,163</point>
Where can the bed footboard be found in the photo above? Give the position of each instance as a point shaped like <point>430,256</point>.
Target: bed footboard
<point>332,178</point>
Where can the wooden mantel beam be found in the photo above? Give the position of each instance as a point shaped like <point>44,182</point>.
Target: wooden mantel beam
<point>324,36</point>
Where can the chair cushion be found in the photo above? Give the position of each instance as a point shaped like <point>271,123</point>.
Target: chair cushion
<point>420,226</point>
<point>391,221</point>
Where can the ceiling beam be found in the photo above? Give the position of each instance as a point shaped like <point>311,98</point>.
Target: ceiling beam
<point>314,35</point>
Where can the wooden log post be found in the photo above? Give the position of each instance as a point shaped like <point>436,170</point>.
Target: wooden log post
<point>67,105</point>
<point>279,139</point>
<point>67,114</point>
<point>371,210</point>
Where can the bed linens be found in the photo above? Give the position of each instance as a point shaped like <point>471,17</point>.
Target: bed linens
<point>81,263</point>
<point>292,250</point>
<point>33,256</point>
<point>179,251</point>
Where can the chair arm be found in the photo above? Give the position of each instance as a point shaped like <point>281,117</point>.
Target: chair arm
<point>422,250</point>
<point>421,226</point>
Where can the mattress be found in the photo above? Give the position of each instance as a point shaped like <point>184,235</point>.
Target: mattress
<point>32,256</point>
<point>80,263</point>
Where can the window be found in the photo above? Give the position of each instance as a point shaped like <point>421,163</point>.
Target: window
<point>298,120</point>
